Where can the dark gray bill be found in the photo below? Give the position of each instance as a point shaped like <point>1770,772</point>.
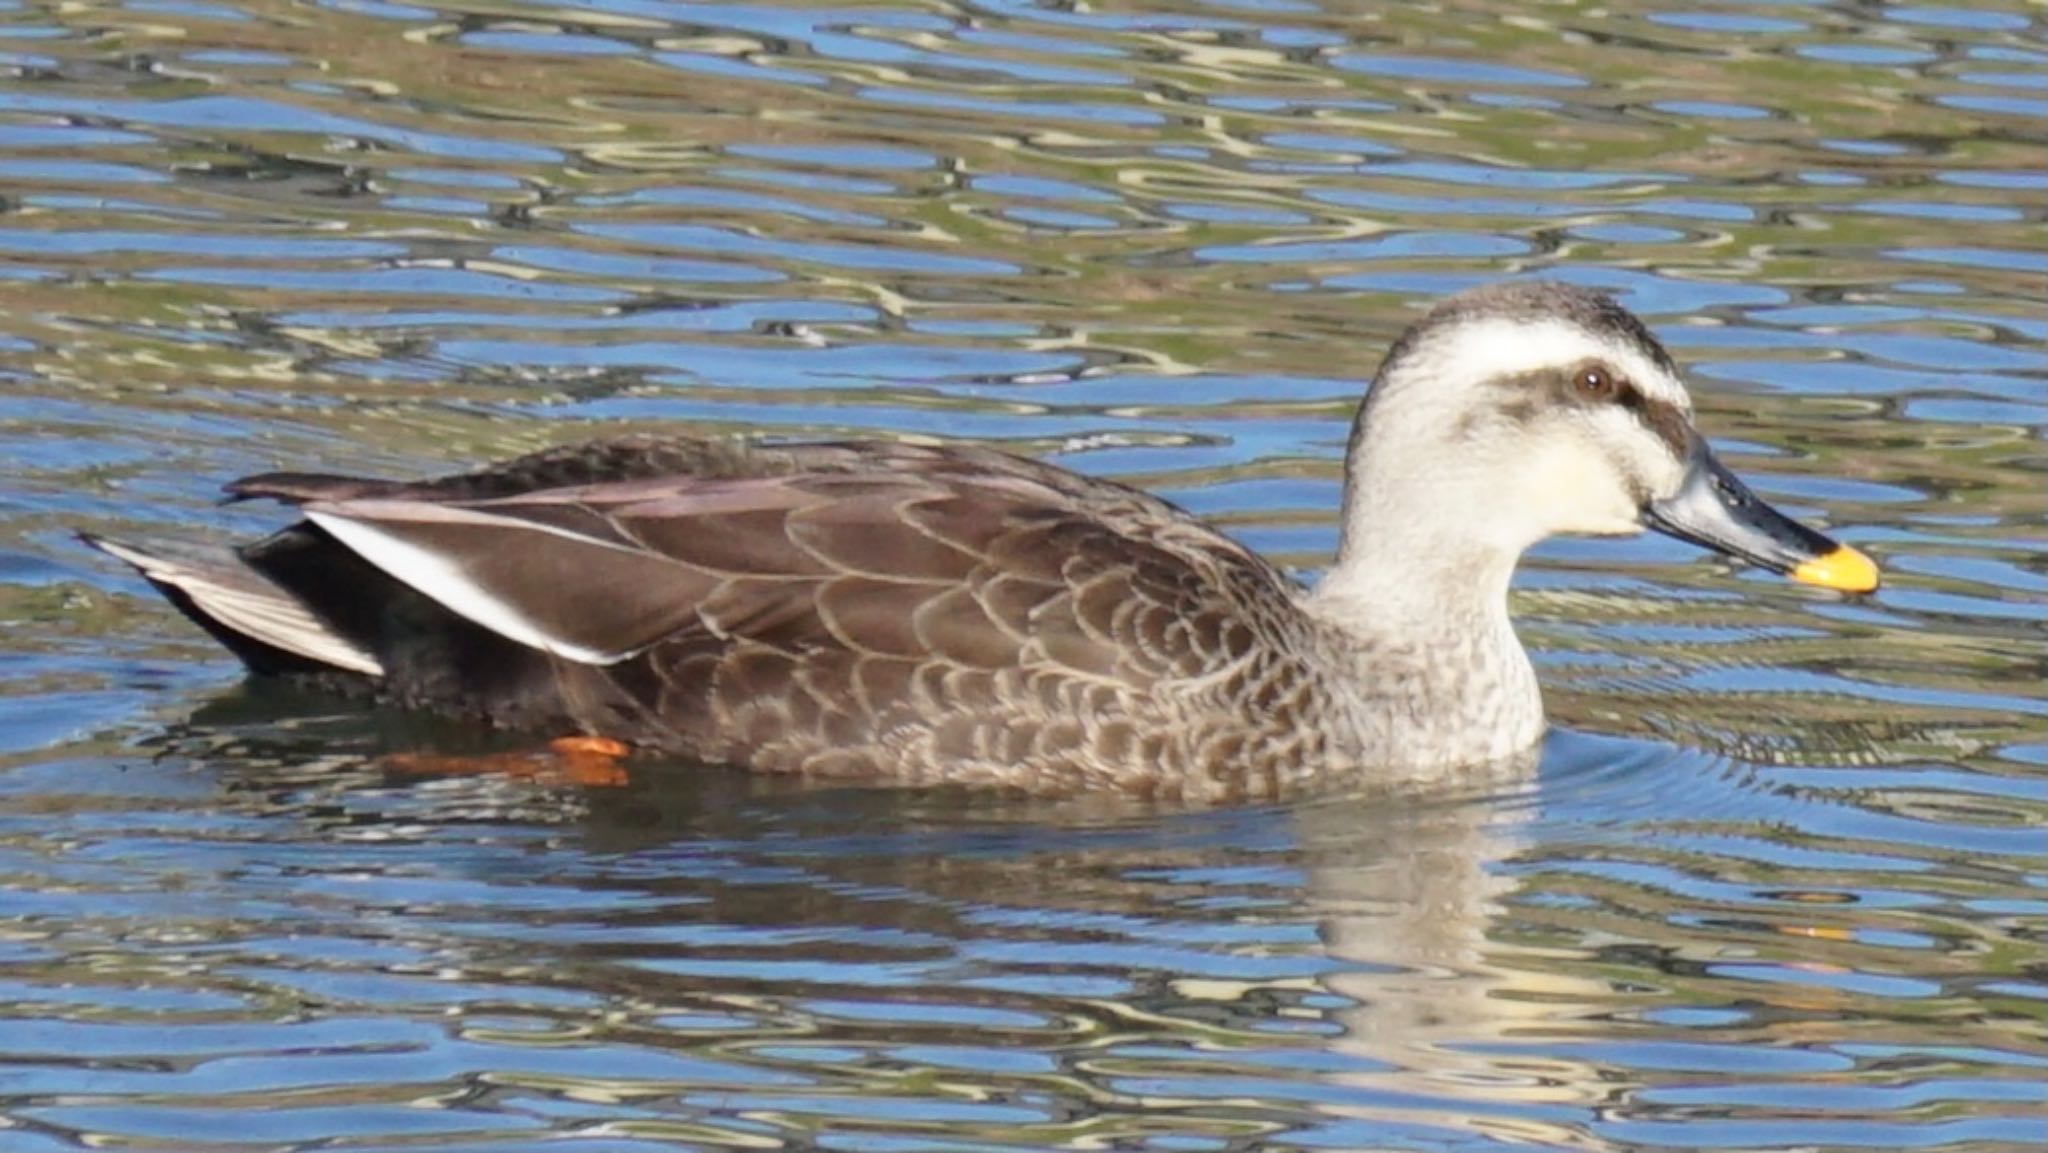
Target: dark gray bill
<point>1712,507</point>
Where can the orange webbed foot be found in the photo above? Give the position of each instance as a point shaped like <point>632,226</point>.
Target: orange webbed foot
<point>591,762</point>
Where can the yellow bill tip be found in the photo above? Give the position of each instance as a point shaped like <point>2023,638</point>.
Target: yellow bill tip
<point>1844,569</point>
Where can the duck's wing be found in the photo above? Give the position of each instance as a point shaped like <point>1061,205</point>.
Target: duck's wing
<point>961,556</point>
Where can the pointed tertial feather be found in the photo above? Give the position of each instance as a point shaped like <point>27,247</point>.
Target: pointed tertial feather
<point>239,599</point>
<point>600,462</point>
<point>559,589</point>
<point>300,487</point>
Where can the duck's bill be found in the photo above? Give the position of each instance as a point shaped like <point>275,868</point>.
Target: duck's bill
<point>1715,509</point>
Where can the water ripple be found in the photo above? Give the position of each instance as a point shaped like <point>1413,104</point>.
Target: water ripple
<point>1775,880</point>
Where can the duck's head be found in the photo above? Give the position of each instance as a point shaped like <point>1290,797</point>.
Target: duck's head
<point>1529,409</point>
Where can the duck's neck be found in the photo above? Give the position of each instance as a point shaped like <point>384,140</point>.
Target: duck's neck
<point>1424,545</point>
<point>1431,563</point>
<point>1418,608</point>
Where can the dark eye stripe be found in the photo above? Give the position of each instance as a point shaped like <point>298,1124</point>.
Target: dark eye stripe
<point>1526,395</point>
<point>1662,418</point>
<point>1665,420</point>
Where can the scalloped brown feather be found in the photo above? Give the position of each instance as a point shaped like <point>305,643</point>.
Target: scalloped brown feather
<point>853,610</point>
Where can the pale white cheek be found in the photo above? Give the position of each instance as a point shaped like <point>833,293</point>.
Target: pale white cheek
<point>1650,466</point>
<point>1663,475</point>
<point>1570,491</point>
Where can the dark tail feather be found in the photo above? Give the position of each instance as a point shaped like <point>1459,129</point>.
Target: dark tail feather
<point>262,623</point>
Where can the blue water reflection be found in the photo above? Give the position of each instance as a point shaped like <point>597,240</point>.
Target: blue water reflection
<point>1773,882</point>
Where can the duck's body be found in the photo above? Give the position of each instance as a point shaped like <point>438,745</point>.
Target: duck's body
<point>925,614</point>
<point>860,610</point>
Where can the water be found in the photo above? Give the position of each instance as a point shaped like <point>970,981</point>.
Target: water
<point>1776,883</point>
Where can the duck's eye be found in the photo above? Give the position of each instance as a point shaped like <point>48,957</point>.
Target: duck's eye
<point>1595,383</point>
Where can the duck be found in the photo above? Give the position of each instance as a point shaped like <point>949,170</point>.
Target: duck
<point>950,614</point>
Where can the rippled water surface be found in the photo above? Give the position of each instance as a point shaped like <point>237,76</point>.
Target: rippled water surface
<point>1777,883</point>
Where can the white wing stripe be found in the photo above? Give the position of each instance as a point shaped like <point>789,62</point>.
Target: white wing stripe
<point>436,577</point>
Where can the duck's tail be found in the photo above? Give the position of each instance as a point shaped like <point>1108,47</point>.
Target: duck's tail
<point>262,622</point>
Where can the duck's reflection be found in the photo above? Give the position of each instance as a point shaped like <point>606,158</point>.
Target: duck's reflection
<point>1413,901</point>
<point>1349,961</point>
<point>1439,1016</point>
